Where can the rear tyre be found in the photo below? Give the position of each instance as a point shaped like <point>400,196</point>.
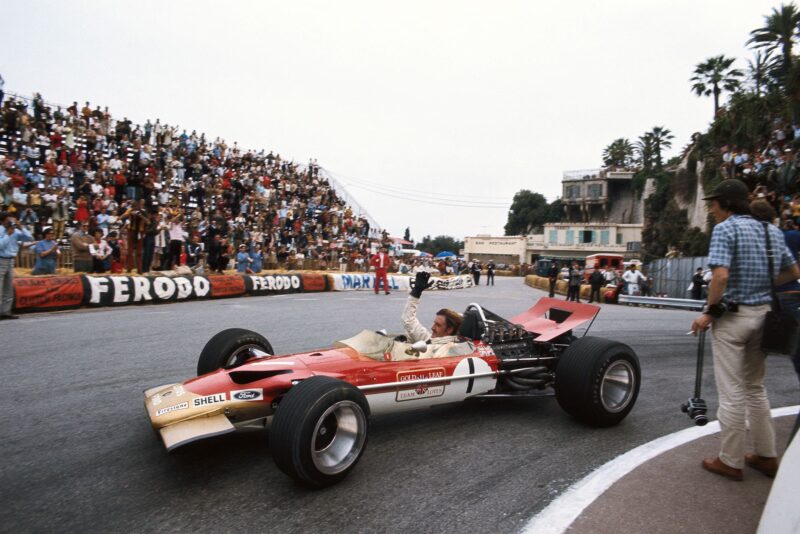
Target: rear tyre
<point>319,431</point>
<point>230,348</point>
<point>597,381</point>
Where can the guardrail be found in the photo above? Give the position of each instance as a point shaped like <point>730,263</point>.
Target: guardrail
<point>663,302</point>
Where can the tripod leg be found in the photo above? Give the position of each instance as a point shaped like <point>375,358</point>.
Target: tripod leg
<point>701,348</point>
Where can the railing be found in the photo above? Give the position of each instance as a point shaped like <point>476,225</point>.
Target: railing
<point>358,209</point>
<point>663,302</point>
<point>581,174</point>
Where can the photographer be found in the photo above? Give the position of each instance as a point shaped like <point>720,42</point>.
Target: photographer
<point>739,296</point>
<point>11,235</point>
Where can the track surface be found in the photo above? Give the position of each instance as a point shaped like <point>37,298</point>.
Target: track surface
<point>78,452</point>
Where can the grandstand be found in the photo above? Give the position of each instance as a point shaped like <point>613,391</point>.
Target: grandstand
<point>101,168</point>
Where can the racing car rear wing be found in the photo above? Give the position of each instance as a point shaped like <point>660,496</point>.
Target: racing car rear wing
<point>550,318</point>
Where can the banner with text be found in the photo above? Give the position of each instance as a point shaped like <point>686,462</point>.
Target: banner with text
<point>366,282</point>
<point>64,292</point>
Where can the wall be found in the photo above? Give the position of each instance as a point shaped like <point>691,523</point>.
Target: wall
<point>494,247</point>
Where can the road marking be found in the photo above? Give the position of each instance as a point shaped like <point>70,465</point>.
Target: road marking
<point>565,509</point>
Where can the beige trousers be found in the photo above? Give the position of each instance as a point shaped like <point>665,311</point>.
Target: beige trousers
<point>739,366</point>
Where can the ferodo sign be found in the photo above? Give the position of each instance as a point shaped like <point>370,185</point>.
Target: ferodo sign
<point>123,290</point>
<point>272,284</point>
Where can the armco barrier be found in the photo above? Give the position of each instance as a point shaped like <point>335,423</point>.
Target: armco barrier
<point>49,293</point>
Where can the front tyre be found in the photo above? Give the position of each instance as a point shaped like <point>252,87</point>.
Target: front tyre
<point>319,431</point>
<point>230,348</point>
<point>597,381</point>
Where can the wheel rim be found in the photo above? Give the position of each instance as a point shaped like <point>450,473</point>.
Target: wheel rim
<point>243,353</point>
<point>339,437</point>
<point>617,386</point>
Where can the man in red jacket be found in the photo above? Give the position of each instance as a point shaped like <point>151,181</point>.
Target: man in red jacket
<point>381,261</point>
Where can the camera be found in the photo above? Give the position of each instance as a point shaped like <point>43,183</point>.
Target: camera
<point>719,309</point>
<point>696,408</point>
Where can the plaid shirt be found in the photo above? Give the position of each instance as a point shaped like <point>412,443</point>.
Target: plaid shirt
<point>739,244</point>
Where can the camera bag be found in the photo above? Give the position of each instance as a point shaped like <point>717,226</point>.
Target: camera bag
<point>780,331</point>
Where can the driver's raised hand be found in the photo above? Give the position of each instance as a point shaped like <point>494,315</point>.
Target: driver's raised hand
<point>421,283</point>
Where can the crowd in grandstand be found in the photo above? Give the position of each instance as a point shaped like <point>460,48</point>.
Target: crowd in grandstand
<point>121,196</point>
<point>771,172</point>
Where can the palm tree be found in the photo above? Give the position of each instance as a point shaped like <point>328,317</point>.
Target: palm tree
<point>644,147</point>
<point>715,75</point>
<point>661,138</point>
<point>618,154</point>
<point>758,68</point>
<point>779,30</point>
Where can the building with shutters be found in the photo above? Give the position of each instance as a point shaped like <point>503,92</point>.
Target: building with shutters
<point>602,213</point>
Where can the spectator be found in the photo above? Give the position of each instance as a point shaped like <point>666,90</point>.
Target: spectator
<point>101,253</point>
<point>243,260</point>
<point>257,257</point>
<point>552,278</point>
<point>194,251</point>
<point>632,279</point>
<point>217,254</point>
<point>116,253</point>
<point>80,241</point>
<point>60,214</point>
<point>697,284</point>
<point>596,281</point>
<point>47,253</point>
<point>381,262</point>
<point>475,269</point>
<point>11,235</point>
<point>574,283</point>
<point>490,267</point>
<point>176,240</point>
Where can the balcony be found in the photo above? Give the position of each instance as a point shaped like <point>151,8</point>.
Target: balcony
<point>581,174</point>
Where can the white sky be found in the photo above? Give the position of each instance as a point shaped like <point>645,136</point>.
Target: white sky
<point>465,100</point>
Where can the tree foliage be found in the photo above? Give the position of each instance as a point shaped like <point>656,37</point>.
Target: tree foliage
<point>778,33</point>
<point>438,244</point>
<point>661,138</point>
<point>619,153</point>
<point>529,212</point>
<point>758,70</point>
<point>715,75</point>
<point>407,234</point>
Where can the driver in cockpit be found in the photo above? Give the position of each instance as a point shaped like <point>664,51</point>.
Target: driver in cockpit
<point>444,332</point>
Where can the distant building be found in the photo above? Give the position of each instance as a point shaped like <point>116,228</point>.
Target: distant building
<point>601,214</point>
<point>604,195</point>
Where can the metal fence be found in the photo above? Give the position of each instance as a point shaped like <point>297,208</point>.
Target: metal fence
<point>671,277</point>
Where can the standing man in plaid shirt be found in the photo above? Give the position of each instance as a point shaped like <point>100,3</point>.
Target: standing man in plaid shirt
<point>739,297</point>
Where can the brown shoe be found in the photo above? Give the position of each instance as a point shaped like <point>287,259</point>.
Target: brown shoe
<point>716,466</point>
<point>768,466</point>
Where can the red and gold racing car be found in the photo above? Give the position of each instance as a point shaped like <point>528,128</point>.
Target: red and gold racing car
<point>317,404</point>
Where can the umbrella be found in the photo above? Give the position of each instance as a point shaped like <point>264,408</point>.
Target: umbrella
<point>445,254</point>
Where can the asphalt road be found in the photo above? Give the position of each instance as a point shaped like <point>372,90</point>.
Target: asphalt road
<point>78,452</point>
